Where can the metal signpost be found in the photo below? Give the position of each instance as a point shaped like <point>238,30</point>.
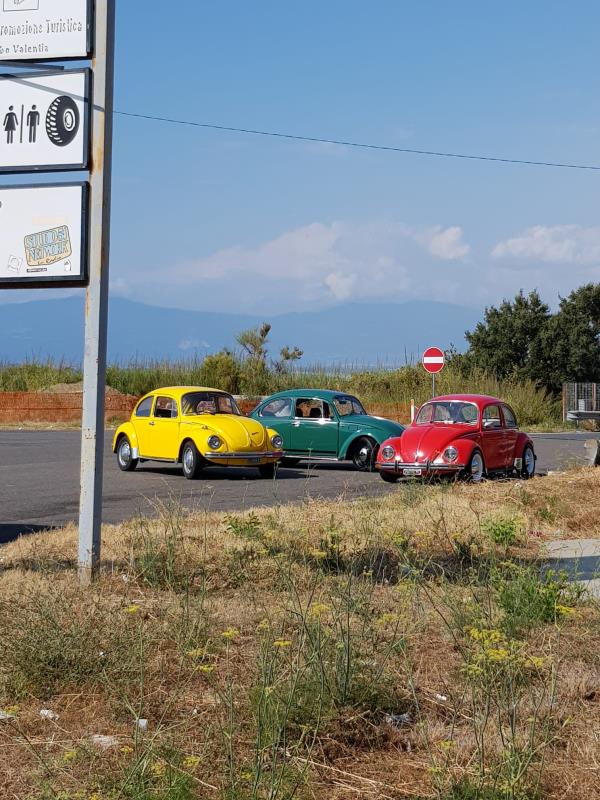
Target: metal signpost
<point>53,235</point>
<point>434,361</point>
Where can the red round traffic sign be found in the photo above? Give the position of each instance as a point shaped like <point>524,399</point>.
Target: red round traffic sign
<point>434,360</point>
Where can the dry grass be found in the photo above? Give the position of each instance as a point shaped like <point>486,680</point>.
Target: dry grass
<point>267,650</point>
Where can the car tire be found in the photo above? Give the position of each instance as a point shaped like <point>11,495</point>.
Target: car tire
<point>364,453</point>
<point>389,477</point>
<point>62,121</point>
<point>191,461</point>
<point>125,459</point>
<point>267,471</point>
<point>528,463</point>
<point>475,471</point>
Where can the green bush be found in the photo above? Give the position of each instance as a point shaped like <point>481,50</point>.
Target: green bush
<point>503,530</point>
<point>528,599</point>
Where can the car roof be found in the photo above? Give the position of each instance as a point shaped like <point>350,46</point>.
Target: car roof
<point>322,394</point>
<point>180,390</point>
<point>478,399</point>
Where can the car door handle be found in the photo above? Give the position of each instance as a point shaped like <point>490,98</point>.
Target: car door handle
<point>152,424</point>
<point>295,424</point>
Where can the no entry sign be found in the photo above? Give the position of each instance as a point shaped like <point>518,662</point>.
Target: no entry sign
<point>434,360</point>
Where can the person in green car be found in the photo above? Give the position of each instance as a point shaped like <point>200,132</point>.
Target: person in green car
<point>325,425</point>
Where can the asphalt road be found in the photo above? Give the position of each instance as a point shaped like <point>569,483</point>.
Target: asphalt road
<point>39,481</point>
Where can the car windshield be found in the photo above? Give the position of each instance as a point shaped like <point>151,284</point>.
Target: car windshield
<point>348,406</point>
<point>195,403</point>
<point>448,412</point>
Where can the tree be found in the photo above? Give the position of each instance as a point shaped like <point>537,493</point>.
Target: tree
<point>502,344</point>
<point>257,367</point>
<point>568,346</point>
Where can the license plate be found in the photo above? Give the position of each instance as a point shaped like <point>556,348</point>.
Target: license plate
<point>412,472</point>
<point>254,459</point>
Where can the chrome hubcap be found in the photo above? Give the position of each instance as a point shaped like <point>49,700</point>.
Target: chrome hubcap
<point>188,459</point>
<point>477,467</point>
<point>529,461</point>
<point>124,452</point>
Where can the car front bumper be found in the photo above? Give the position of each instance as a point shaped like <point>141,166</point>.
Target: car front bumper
<point>247,458</point>
<point>417,469</point>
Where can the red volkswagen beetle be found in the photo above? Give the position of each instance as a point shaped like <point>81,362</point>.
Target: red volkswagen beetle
<point>468,435</point>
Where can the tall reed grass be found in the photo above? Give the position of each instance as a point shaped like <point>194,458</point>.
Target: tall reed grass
<point>374,386</point>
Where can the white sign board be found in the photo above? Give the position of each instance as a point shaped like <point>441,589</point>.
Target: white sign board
<point>43,235</point>
<point>44,29</point>
<point>44,122</point>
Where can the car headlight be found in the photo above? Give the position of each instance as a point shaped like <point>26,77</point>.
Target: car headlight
<point>388,452</point>
<point>451,454</point>
<point>277,442</point>
<point>214,442</point>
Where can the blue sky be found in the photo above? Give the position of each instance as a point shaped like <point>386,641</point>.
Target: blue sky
<point>224,221</point>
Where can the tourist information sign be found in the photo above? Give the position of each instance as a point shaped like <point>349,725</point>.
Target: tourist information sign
<point>43,235</point>
<point>44,122</point>
<point>43,30</point>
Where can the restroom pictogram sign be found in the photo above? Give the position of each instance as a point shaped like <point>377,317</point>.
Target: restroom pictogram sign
<point>44,122</point>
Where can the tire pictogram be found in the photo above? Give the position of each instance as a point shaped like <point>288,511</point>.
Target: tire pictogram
<point>62,121</point>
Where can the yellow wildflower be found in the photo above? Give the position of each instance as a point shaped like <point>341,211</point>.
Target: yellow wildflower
<point>158,768</point>
<point>191,762</point>
<point>388,619</point>
<point>447,744</point>
<point>246,776</point>
<point>497,654</point>
<point>230,634</point>
<point>206,668</point>
<point>536,661</point>
<point>319,554</point>
<point>263,625</point>
<point>282,643</point>
<point>564,611</point>
<point>133,609</point>
<point>197,652</point>
<point>126,750</point>
<point>318,609</point>
<point>69,756</point>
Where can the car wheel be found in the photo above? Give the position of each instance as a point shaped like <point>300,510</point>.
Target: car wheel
<point>475,471</point>
<point>267,470</point>
<point>191,461</point>
<point>364,453</point>
<point>528,463</point>
<point>125,459</point>
<point>389,477</point>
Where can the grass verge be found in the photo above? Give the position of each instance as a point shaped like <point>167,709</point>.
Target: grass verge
<point>401,647</point>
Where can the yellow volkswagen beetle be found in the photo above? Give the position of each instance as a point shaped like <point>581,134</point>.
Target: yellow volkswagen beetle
<point>195,427</point>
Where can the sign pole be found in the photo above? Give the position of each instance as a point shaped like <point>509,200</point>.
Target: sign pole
<point>96,301</point>
<point>433,385</point>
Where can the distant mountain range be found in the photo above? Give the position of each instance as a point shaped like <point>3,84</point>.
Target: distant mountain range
<point>351,333</point>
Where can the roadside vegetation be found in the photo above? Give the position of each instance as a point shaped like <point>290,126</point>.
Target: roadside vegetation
<point>406,646</point>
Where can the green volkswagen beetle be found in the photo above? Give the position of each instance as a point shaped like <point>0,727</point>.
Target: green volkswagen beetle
<point>323,425</point>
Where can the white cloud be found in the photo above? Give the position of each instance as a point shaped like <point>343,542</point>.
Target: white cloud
<point>317,264</point>
<point>567,244</point>
<point>447,243</point>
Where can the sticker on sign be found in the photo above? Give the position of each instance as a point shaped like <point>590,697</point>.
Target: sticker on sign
<point>44,29</point>
<point>43,236</point>
<point>44,122</point>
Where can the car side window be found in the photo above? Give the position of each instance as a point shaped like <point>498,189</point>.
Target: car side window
<point>165,408</point>
<point>282,407</point>
<point>509,418</point>
<point>310,408</point>
<point>144,409</point>
<point>491,418</point>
